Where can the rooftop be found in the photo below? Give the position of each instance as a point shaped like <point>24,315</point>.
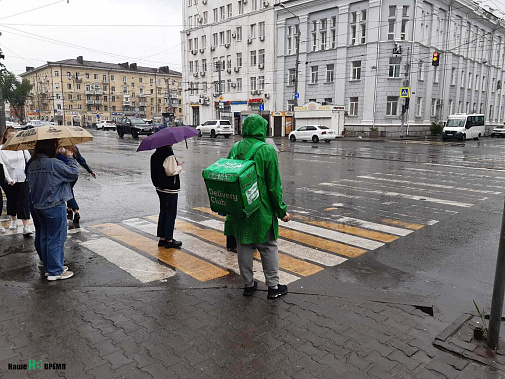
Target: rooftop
<point>80,62</point>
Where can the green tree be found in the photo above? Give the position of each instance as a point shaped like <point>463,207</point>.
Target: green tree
<point>15,91</point>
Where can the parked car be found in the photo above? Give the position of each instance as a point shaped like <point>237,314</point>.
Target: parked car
<point>215,128</point>
<point>134,126</point>
<point>15,125</point>
<point>35,124</point>
<point>313,133</point>
<point>106,124</point>
<point>498,131</point>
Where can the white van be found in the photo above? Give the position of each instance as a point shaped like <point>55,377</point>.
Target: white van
<point>463,126</point>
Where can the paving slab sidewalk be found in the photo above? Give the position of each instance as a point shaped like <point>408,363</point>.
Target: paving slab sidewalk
<point>217,333</point>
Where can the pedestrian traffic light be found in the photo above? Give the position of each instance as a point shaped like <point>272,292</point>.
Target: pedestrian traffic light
<point>436,59</point>
<point>407,103</point>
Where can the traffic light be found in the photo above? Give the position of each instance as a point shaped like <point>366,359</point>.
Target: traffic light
<point>436,59</point>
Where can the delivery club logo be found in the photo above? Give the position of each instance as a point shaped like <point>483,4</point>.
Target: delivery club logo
<point>219,197</point>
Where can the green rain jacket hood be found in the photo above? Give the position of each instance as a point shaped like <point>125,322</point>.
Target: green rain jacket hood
<point>256,228</point>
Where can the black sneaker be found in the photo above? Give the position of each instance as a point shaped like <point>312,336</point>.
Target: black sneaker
<point>162,243</point>
<point>70,215</point>
<point>275,293</point>
<point>248,291</point>
<point>173,244</point>
<point>77,217</point>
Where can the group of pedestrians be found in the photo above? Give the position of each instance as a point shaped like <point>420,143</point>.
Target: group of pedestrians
<point>42,185</point>
<point>259,231</point>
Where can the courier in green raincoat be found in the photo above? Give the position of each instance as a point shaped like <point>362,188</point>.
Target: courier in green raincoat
<point>261,229</point>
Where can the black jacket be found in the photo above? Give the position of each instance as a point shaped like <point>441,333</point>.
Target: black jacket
<point>159,178</point>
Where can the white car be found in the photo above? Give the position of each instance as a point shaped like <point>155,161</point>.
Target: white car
<point>498,131</point>
<point>106,124</point>
<point>36,123</point>
<point>215,128</point>
<point>314,133</point>
<point>14,125</point>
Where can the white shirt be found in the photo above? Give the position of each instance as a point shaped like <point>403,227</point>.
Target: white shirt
<point>14,163</point>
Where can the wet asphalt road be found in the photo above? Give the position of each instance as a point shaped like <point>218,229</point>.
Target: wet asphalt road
<point>447,197</point>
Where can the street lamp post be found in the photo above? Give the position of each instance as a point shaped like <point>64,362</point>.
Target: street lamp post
<point>297,62</point>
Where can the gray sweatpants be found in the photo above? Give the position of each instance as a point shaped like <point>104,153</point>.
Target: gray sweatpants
<point>269,259</point>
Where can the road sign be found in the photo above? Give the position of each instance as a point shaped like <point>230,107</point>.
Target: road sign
<point>262,107</point>
<point>297,95</point>
<point>220,98</point>
<point>97,116</point>
<point>405,92</point>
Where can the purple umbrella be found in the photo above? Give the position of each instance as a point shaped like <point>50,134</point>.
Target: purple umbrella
<point>168,136</point>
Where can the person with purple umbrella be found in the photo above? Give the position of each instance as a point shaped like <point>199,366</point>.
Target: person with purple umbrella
<point>165,170</point>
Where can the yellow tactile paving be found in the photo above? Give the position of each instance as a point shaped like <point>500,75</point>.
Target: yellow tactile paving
<point>378,236</point>
<point>209,211</point>
<point>408,225</point>
<point>187,263</point>
<point>286,262</point>
<point>308,239</point>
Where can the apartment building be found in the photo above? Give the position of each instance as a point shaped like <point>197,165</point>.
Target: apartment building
<point>228,52</point>
<point>359,55</point>
<point>80,92</point>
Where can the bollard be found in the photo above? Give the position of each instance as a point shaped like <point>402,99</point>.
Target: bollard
<point>498,292</point>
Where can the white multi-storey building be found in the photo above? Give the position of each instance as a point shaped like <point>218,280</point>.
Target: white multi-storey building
<point>228,50</point>
<point>360,54</point>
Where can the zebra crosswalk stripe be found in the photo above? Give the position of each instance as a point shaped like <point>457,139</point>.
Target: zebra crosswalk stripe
<point>205,250</point>
<point>140,267</point>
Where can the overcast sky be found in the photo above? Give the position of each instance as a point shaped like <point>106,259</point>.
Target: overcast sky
<point>93,29</point>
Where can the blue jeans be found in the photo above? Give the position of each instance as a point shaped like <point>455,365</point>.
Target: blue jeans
<point>168,213</point>
<point>72,203</point>
<point>36,223</point>
<point>53,234</point>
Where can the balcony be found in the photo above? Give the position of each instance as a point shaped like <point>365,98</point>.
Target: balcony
<point>126,102</point>
<point>142,103</point>
<point>105,81</point>
<point>89,92</point>
<point>98,92</point>
<point>90,102</point>
<point>98,102</point>
<point>142,95</point>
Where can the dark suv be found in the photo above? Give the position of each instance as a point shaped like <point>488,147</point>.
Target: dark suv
<point>134,126</point>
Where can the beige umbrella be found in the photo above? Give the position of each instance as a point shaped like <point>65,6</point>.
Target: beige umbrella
<point>66,136</point>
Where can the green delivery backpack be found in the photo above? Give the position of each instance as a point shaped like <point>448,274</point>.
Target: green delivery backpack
<point>232,184</point>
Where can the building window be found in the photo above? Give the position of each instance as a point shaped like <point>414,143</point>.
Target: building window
<point>392,11</point>
<point>394,67</point>
<point>353,35</point>
<point>435,74</point>
<point>330,70</point>
<point>87,76</point>
<point>363,33</point>
<point>333,22</point>
<point>453,76</point>
<point>240,7</point>
<point>228,85</point>
<point>462,79</point>
<point>261,26</point>
<point>405,11</point>
<point>323,39</point>
<point>252,33</point>
<point>356,70</point>
<point>434,104</point>
<point>470,79</point>
<point>221,38</point>
<point>261,83</point>
<point>403,32</point>
<point>95,76</point>
<point>205,17</point>
<point>419,106</point>
<point>228,36</point>
<point>353,106</point>
<point>112,77</point>
<point>292,77</point>
<point>477,84</point>
<point>261,56</point>
<point>451,106</point>
<point>70,96</point>
<point>420,73</point>
<point>222,13</point>
<point>289,45</point>
<point>333,38</point>
<point>69,86</point>
<point>239,33</point>
<point>229,10</point>
<point>239,84</point>
<point>391,30</point>
<point>253,83</point>
<point>56,73</point>
<point>239,59</point>
<point>392,106</point>
<point>314,71</point>
<point>254,5</point>
<point>214,11</point>
<point>484,83</point>
<point>314,41</point>
<point>253,58</point>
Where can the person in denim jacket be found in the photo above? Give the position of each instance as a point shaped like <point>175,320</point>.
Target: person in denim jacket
<point>49,180</point>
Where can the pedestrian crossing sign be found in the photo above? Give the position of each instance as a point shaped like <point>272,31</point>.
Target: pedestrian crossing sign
<point>405,92</point>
